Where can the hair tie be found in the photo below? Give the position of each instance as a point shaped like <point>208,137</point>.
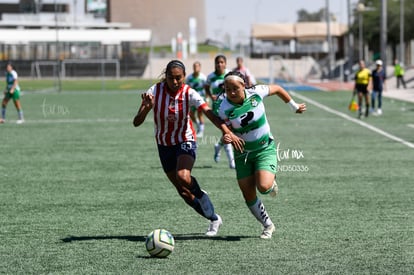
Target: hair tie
<point>175,63</point>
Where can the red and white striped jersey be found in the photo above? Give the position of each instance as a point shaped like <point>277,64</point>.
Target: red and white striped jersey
<point>172,120</point>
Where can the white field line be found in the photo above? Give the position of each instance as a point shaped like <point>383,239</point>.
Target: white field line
<point>410,125</point>
<point>355,120</point>
<point>106,92</point>
<point>80,120</point>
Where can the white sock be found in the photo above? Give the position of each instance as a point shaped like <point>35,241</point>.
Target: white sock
<point>259,212</point>
<point>201,127</point>
<point>229,152</point>
<point>20,114</point>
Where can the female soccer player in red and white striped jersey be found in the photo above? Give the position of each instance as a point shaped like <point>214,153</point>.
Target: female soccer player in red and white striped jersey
<point>171,101</point>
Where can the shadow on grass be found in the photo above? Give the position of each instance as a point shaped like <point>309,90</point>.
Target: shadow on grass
<point>177,237</point>
<point>195,166</point>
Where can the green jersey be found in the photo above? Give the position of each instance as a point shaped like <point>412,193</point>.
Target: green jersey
<point>197,83</point>
<point>215,82</point>
<point>398,70</point>
<point>248,120</point>
<point>10,78</point>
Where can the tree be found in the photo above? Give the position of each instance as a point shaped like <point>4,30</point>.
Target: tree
<point>371,23</point>
<point>319,16</point>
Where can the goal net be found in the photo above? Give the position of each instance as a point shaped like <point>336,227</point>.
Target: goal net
<point>48,73</point>
<point>51,73</point>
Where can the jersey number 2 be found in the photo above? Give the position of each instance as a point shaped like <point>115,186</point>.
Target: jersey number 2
<point>246,118</point>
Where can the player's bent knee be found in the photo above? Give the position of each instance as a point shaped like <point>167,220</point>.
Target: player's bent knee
<point>264,189</point>
<point>184,179</point>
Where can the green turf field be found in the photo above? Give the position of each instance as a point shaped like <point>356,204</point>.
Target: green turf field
<point>80,188</point>
<point>42,85</point>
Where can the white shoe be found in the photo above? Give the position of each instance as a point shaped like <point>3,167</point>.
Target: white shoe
<point>214,226</point>
<point>217,149</point>
<point>232,164</point>
<point>199,134</point>
<point>275,189</point>
<point>20,121</point>
<point>268,231</point>
<point>379,112</point>
<point>206,205</point>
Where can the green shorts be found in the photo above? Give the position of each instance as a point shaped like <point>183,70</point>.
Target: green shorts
<point>14,96</point>
<point>248,163</point>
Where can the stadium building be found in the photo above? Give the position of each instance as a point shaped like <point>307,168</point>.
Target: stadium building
<point>90,37</point>
<point>164,18</point>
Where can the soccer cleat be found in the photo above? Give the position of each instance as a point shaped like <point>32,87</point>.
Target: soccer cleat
<point>214,226</point>
<point>199,134</point>
<point>232,164</point>
<point>217,149</point>
<point>268,231</point>
<point>20,121</point>
<point>275,189</point>
<point>206,205</point>
<point>379,112</point>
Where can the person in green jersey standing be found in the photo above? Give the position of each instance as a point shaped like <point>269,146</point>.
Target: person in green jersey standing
<point>12,91</point>
<point>399,74</point>
<point>197,80</point>
<point>244,111</point>
<point>214,90</point>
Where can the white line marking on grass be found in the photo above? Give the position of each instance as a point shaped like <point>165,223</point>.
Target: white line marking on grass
<point>355,120</point>
<point>410,125</point>
<point>80,120</point>
<point>118,92</point>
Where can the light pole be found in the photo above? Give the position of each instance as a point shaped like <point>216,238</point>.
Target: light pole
<point>331,50</point>
<point>361,9</point>
<point>350,42</point>
<point>402,48</point>
<point>384,33</point>
<point>256,11</point>
<point>59,84</point>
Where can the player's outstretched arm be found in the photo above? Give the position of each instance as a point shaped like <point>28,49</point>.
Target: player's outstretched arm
<point>284,95</point>
<point>237,142</point>
<point>146,106</point>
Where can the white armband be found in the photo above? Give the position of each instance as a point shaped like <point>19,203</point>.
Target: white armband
<point>293,105</point>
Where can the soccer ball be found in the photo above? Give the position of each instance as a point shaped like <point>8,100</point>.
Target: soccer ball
<point>159,243</point>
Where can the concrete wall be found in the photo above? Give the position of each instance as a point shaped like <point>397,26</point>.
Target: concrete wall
<point>164,18</point>
<point>260,68</point>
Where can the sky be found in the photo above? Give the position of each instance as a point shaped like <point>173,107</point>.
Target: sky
<point>235,17</point>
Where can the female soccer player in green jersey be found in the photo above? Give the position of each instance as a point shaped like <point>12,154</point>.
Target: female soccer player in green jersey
<point>12,91</point>
<point>214,90</point>
<point>171,100</point>
<point>197,80</point>
<point>256,166</point>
